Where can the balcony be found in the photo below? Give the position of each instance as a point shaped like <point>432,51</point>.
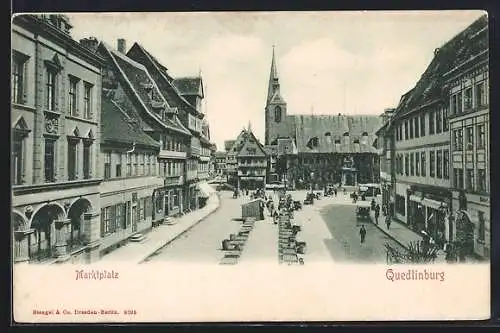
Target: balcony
<point>172,154</point>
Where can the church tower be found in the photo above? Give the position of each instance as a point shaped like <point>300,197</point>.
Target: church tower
<point>275,107</point>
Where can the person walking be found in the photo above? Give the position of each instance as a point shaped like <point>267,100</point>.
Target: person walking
<point>362,233</point>
<point>377,213</point>
<point>335,191</point>
<point>388,222</point>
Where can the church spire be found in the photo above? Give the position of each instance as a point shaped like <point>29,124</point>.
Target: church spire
<point>274,83</point>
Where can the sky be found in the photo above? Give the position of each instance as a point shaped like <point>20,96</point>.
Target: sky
<point>328,62</point>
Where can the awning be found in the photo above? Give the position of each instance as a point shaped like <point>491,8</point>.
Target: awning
<point>415,198</point>
<point>205,189</point>
<point>433,203</point>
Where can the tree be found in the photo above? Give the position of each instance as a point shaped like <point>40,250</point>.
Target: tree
<point>415,253</point>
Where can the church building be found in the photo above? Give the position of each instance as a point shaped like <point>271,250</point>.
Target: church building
<point>317,150</point>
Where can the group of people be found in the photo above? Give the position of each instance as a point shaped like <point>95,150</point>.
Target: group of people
<point>376,208</point>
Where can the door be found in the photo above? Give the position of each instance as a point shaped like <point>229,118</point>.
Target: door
<point>134,218</point>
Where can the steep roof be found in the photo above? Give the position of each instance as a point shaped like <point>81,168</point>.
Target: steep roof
<point>458,50</point>
<point>271,149</point>
<point>249,145</point>
<point>138,78</point>
<point>118,126</point>
<point>328,128</point>
<point>228,144</point>
<point>189,86</point>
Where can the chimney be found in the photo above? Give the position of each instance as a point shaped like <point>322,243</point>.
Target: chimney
<point>121,45</point>
<point>90,43</point>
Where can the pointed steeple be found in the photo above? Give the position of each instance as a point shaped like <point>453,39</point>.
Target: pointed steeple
<point>249,126</point>
<point>274,84</point>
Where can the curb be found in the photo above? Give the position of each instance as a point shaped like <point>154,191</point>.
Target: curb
<point>385,232</point>
<point>182,232</point>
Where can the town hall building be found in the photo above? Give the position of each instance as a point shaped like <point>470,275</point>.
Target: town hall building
<point>316,150</point>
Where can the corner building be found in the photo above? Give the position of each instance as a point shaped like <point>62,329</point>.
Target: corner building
<point>56,93</point>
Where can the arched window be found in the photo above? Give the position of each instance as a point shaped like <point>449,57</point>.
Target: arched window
<point>277,114</point>
<point>328,134</point>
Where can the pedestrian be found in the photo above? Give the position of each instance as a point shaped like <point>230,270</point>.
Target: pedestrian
<point>377,213</point>
<point>388,222</point>
<point>373,204</point>
<point>335,191</point>
<point>362,233</point>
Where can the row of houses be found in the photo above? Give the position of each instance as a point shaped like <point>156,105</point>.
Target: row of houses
<point>105,143</point>
<point>435,148</point>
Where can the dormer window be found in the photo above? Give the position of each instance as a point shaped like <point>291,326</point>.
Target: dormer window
<point>364,138</point>
<point>346,138</point>
<point>313,143</point>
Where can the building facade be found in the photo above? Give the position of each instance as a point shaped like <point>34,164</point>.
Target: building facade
<point>56,92</point>
<point>184,97</point>
<point>323,149</point>
<point>437,171</point>
<point>385,147</point>
<point>252,163</point>
<point>468,90</point>
<point>220,163</point>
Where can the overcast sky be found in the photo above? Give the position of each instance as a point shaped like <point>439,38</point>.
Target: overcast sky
<point>328,62</point>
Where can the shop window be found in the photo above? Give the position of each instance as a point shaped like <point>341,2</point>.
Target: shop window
<point>400,204</point>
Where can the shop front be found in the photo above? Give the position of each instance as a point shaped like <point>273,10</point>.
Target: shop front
<point>251,183</point>
<point>428,213</point>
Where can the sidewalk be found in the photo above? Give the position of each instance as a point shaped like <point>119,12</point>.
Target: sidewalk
<point>161,236</point>
<point>401,234</point>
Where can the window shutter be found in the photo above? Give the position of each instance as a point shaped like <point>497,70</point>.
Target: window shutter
<point>102,222</point>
